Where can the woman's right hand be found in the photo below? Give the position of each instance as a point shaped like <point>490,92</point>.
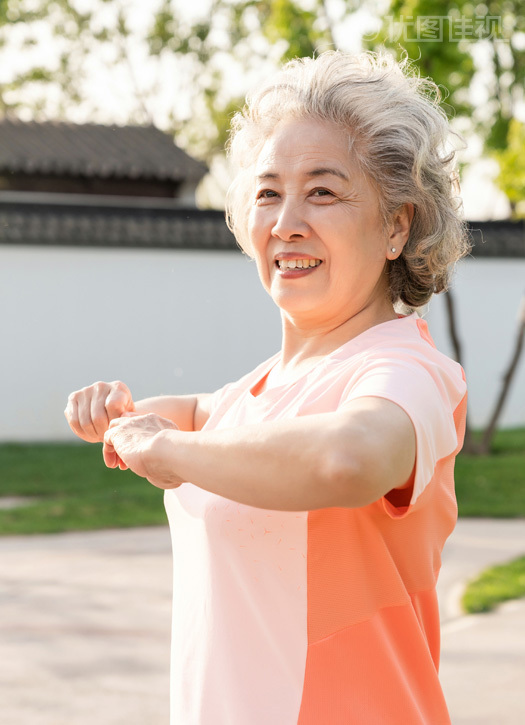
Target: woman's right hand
<point>90,410</point>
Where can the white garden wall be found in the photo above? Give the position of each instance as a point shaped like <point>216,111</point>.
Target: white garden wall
<point>488,294</point>
<point>185,321</point>
<point>161,321</point>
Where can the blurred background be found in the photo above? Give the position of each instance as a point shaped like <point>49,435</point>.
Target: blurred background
<point>115,260</point>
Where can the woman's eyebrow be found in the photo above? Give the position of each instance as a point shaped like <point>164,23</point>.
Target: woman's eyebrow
<point>265,177</point>
<point>324,170</point>
<point>314,173</point>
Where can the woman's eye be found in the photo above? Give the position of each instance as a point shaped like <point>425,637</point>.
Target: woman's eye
<point>266,194</point>
<point>321,192</point>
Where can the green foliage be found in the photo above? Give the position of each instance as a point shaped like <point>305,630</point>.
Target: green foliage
<point>494,586</point>
<point>66,24</point>
<point>511,159</point>
<point>247,33</point>
<point>449,59</point>
<point>235,39</point>
<point>508,71</point>
<point>448,63</point>
<point>284,20</point>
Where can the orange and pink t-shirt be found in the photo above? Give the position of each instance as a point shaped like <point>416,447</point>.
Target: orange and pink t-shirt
<point>325,617</point>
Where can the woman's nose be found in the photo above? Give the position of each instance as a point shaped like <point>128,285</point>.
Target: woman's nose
<point>290,222</point>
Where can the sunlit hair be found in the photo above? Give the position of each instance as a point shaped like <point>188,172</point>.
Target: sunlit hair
<point>398,135</point>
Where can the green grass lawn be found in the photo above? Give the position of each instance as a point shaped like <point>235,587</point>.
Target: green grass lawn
<point>495,585</point>
<point>494,485</point>
<point>73,490</point>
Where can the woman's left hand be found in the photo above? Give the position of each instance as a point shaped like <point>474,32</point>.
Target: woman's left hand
<point>129,443</point>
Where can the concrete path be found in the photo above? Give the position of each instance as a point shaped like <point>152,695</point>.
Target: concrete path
<point>85,628</point>
<point>483,656</point>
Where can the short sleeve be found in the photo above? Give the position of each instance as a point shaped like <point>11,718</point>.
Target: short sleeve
<point>428,395</point>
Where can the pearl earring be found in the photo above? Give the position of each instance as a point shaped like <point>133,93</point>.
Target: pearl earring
<point>393,250</point>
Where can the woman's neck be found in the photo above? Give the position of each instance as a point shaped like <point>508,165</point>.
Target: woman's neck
<point>303,345</point>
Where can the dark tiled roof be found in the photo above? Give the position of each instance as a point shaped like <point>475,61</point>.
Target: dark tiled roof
<point>111,225</point>
<point>89,150</point>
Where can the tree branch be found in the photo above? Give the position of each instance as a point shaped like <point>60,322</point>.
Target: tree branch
<point>469,445</point>
<point>506,383</point>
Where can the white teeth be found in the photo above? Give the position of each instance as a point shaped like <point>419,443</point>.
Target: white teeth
<point>298,263</point>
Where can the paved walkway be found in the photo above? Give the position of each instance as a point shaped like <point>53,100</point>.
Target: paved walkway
<point>483,656</point>
<point>85,628</point>
<point>85,622</point>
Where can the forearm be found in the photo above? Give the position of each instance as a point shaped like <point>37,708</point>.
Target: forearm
<point>284,465</point>
<point>188,412</point>
<point>350,458</point>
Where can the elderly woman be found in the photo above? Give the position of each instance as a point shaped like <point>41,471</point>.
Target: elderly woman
<point>309,502</point>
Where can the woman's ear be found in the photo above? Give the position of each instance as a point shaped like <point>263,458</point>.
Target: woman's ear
<point>399,230</point>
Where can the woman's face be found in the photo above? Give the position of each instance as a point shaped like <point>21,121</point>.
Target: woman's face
<point>314,226</point>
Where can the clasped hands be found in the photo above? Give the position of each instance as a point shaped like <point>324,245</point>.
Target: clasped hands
<point>105,413</point>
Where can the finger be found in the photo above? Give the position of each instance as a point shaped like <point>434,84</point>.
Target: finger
<point>99,415</point>
<point>111,457</point>
<point>84,417</point>
<point>118,400</point>
<point>73,416</point>
<point>71,413</point>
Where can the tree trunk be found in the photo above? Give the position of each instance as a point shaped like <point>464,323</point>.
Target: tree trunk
<point>488,434</point>
<point>469,445</point>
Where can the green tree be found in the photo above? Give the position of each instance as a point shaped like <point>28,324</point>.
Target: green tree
<point>418,29</point>
<point>22,24</point>
<point>233,39</point>
<point>507,53</point>
<point>474,39</point>
<point>224,50</point>
<point>45,51</point>
<point>481,44</point>
<point>511,159</point>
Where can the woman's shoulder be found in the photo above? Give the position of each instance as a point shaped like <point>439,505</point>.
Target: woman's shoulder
<point>399,348</point>
<point>407,335</point>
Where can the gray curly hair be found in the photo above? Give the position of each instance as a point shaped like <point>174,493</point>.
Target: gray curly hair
<point>399,136</point>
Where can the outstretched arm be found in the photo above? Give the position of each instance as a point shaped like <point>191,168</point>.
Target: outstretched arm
<point>348,458</point>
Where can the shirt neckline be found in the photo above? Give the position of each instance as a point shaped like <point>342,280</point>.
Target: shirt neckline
<point>273,361</point>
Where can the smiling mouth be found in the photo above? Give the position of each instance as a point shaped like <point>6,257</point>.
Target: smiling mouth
<point>286,264</point>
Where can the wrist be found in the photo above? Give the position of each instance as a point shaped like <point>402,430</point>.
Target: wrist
<point>161,461</point>
<point>170,445</point>
<point>163,445</point>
